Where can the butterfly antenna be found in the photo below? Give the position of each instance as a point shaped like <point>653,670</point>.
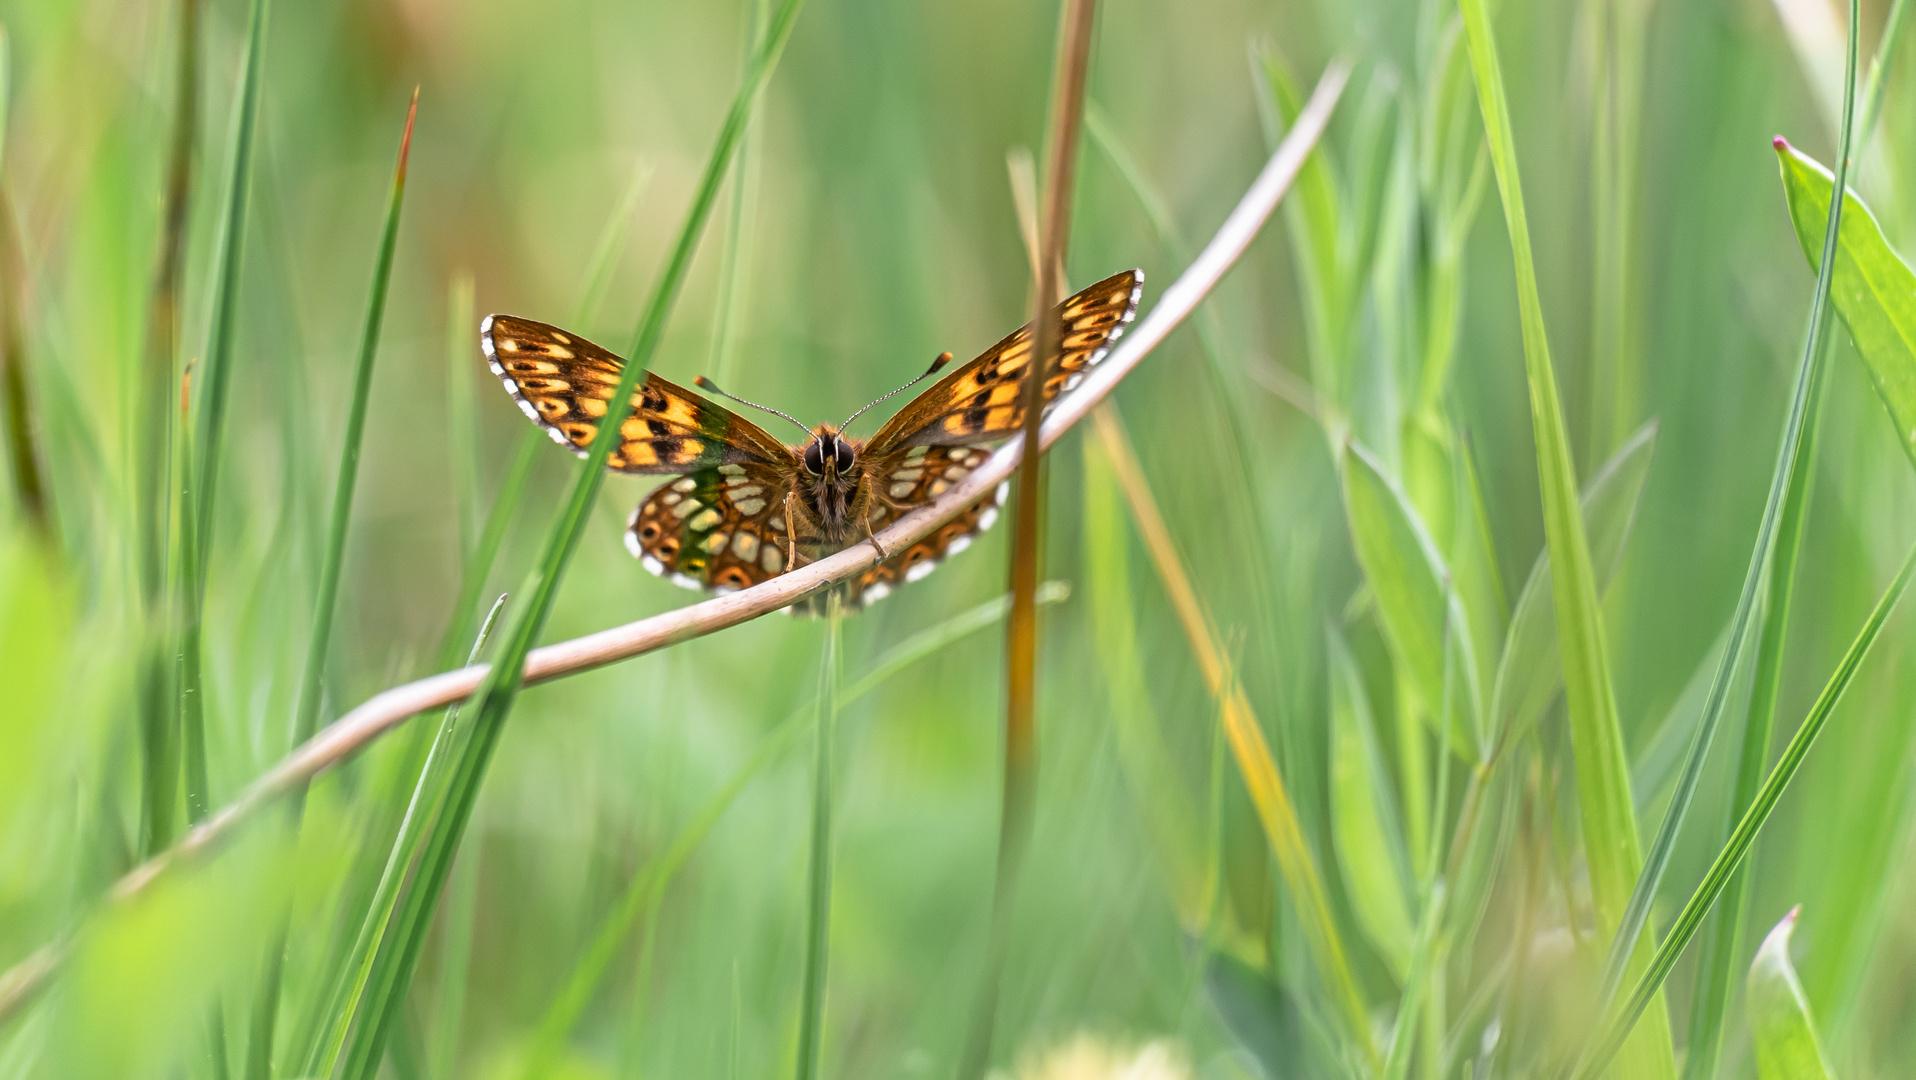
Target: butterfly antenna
<point>706,384</point>
<point>943,359</point>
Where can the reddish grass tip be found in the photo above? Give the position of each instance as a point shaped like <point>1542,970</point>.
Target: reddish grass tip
<point>1780,143</point>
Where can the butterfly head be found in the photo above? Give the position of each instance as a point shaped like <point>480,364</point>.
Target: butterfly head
<point>829,456</point>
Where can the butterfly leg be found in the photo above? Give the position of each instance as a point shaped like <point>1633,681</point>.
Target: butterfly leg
<point>791,534</point>
<point>873,537</point>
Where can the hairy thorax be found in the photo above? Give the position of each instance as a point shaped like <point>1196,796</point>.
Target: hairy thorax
<point>835,500</point>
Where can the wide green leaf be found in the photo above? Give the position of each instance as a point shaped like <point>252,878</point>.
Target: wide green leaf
<point>1407,576</point>
<point>1786,1044</point>
<point>1873,289</point>
<point>1264,1019</point>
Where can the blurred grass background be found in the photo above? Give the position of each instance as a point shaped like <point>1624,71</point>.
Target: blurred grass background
<point>878,228</point>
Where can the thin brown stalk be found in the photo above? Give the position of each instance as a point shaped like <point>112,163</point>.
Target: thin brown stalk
<point>23,453</point>
<point>1027,500</point>
<point>379,714</point>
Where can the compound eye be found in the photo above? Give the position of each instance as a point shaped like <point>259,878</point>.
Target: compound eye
<point>844,456</point>
<point>814,461</point>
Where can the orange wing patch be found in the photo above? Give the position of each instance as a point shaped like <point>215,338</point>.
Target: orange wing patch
<point>983,400</point>
<point>565,384</point>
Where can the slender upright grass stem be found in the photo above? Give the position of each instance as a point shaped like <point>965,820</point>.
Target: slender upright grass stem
<point>199,460</point>
<point>1721,964</point>
<point>1757,575</point>
<point>818,893</point>
<point>1727,861</point>
<point>1606,808</point>
<point>153,415</point>
<point>738,227</point>
<point>421,811</point>
<point>312,677</point>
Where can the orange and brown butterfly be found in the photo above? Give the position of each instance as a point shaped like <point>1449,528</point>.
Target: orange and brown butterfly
<point>744,507</point>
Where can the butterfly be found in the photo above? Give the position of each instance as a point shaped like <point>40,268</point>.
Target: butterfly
<point>742,506</point>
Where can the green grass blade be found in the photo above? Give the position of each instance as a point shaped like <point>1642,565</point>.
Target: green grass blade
<point>818,900</point>
<point>306,717</point>
<point>1603,778</point>
<point>1787,1046</point>
<point>200,461</point>
<point>605,253</point>
<point>1270,797</point>
<point>476,567</point>
<point>1419,988</point>
<point>1626,944</point>
<point>1717,965</point>
<point>492,703</point>
<point>325,605</point>
<point>1687,922</point>
<point>1873,90</point>
<point>738,230</point>
<point>455,965</point>
<point>1529,675</point>
<point>421,812</point>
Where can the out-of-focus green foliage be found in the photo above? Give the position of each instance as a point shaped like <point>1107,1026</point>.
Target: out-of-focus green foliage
<point>1342,446</point>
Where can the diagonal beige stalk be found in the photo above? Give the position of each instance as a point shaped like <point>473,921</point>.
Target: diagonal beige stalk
<point>1275,811</point>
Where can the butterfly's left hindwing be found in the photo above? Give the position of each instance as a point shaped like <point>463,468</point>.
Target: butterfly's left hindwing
<point>721,528</point>
<point>565,383</point>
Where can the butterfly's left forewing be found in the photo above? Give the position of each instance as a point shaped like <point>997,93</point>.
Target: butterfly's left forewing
<point>983,401</point>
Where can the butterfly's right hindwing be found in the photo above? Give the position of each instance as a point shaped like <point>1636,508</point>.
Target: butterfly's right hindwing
<point>564,383</point>
<point>721,528</point>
